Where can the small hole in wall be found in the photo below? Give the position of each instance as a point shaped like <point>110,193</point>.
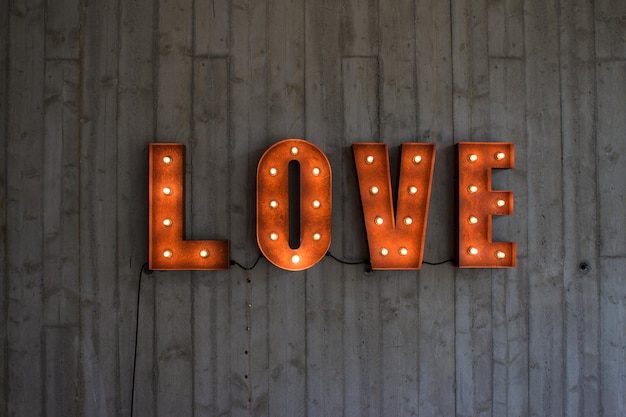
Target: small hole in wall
<point>584,266</point>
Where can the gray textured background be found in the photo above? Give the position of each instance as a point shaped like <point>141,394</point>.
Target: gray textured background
<point>85,86</point>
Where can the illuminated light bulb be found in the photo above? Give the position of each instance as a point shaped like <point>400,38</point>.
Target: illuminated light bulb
<point>403,251</point>
<point>204,253</point>
<point>316,171</point>
<point>317,236</point>
<point>295,259</point>
<point>473,220</point>
<point>273,204</point>
<point>384,251</point>
<point>168,253</point>
<point>472,158</point>
<point>374,190</point>
<point>378,220</point>
<point>274,236</point>
<point>167,191</point>
<point>412,190</point>
<point>472,189</point>
<point>500,254</point>
<point>167,160</point>
<point>167,222</point>
<point>500,203</point>
<point>369,159</point>
<point>417,159</point>
<point>294,151</point>
<point>499,156</point>
<point>472,250</point>
<point>408,220</point>
<point>316,204</point>
<point>273,172</point>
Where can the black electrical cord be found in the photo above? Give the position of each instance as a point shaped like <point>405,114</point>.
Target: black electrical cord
<point>144,268</point>
<point>247,268</point>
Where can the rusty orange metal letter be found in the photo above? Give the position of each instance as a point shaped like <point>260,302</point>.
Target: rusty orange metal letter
<point>395,242</point>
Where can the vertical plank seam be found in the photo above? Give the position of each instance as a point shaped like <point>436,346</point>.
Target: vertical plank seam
<point>4,268</point>
<point>193,140</point>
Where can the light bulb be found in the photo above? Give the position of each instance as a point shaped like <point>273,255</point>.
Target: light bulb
<point>417,159</point>
<point>167,222</point>
<point>408,220</point>
<point>384,251</point>
<point>472,158</point>
<point>273,204</point>
<point>273,172</point>
<point>473,220</point>
<point>295,259</point>
<point>378,220</point>
<point>404,251</point>
<point>168,253</point>
<point>316,171</point>
<point>317,236</point>
<point>472,189</point>
<point>499,156</point>
<point>373,190</point>
<point>274,236</point>
<point>316,204</point>
<point>167,191</point>
<point>412,190</point>
<point>472,250</point>
<point>500,254</point>
<point>369,159</point>
<point>167,160</point>
<point>500,203</point>
<point>294,150</point>
<point>204,253</point>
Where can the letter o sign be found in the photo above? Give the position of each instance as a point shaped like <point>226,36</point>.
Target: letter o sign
<point>272,205</point>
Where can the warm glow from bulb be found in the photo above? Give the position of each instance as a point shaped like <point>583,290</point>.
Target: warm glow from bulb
<point>500,203</point>
<point>295,259</point>
<point>378,220</point>
<point>417,159</point>
<point>273,172</point>
<point>273,204</point>
<point>384,251</point>
<point>412,190</point>
<point>408,221</point>
<point>500,156</point>
<point>167,222</point>
<point>316,171</point>
<point>473,219</point>
<point>369,159</point>
<point>472,188</point>
<point>294,150</point>
<point>316,204</point>
<point>167,159</point>
<point>472,158</point>
<point>472,250</point>
<point>168,253</point>
<point>204,253</point>
<point>500,254</point>
<point>404,251</point>
<point>167,191</point>
<point>274,236</point>
<point>374,190</point>
<point>317,236</point>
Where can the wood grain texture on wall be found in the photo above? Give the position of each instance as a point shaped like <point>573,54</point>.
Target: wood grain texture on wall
<point>86,85</point>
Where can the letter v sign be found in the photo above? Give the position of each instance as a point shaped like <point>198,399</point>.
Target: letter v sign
<point>395,242</point>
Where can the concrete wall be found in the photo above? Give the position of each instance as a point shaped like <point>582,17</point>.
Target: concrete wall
<point>86,85</point>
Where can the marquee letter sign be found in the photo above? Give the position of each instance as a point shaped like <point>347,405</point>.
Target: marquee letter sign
<point>293,207</point>
<point>395,243</point>
<point>272,204</point>
<point>478,203</point>
<point>167,247</point>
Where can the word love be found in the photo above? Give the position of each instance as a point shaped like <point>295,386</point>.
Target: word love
<point>395,241</point>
